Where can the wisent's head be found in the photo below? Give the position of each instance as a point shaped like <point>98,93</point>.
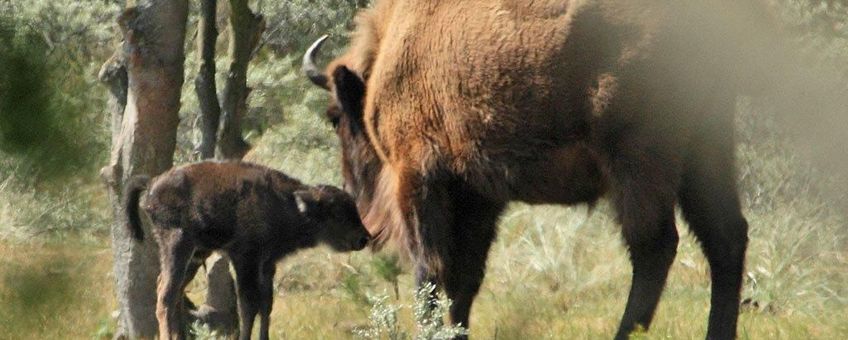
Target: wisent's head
<point>360,162</point>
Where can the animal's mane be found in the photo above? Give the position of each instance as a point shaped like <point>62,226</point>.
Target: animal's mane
<point>370,26</point>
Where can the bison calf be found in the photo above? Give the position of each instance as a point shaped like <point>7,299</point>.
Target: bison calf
<point>254,214</point>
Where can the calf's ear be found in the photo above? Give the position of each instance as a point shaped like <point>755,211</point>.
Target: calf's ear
<point>350,93</point>
<point>308,203</point>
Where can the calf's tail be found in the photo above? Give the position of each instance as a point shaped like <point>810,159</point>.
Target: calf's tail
<point>132,193</point>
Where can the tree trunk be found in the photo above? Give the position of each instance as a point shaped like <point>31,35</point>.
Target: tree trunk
<point>220,310</point>
<point>207,94</point>
<point>245,29</point>
<point>147,106</point>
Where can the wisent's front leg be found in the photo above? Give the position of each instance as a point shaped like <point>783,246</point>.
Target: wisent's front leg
<point>453,229</point>
<point>475,220</point>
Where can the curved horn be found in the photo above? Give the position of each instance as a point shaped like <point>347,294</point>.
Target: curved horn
<point>310,69</point>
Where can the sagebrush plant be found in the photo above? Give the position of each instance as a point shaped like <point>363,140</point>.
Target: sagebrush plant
<point>428,308</point>
<point>383,320</point>
<point>201,331</point>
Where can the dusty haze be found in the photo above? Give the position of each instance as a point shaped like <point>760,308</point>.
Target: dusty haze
<point>796,74</point>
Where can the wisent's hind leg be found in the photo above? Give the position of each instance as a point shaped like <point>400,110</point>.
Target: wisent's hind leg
<point>175,252</point>
<point>643,187</point>
<point>710,203</point>
<point>651,254</point>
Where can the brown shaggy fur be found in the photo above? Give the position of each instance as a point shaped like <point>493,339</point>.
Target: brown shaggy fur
<point>254,214</point>
<point>464,106</point>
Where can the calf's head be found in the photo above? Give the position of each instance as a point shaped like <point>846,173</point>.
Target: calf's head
<point>335,216</point>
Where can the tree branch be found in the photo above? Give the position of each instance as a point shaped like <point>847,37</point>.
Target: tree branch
<point>245,30</point>
<point>204,83</point>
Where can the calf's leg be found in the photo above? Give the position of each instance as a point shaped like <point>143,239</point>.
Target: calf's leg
<point>193,267</point>
<point>175,252</point>
<point>249,292</point>
<point>266,286</point>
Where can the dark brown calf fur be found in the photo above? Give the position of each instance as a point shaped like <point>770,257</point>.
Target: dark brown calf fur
<point>252,213</point>
<point>447,110</point>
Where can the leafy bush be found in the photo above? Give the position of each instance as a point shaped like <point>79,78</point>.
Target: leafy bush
<point>41,126</point>
<point>52,115</point>
<point>293,25</point>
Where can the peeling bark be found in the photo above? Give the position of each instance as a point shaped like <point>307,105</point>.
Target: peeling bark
<point>145,77</point>
<point>113,74</point>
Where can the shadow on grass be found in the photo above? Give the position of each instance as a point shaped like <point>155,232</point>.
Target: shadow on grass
<point>56,290</point>
<point>32,293</point>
